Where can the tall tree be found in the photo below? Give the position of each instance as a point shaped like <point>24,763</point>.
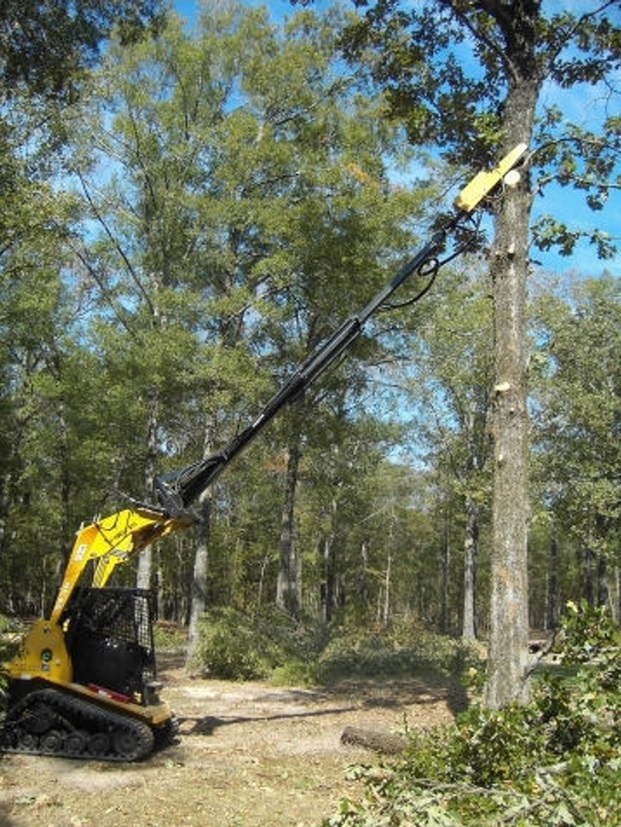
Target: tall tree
<point>239,182</point>
<point>46,47</point>
<point>45,50</point>
<point>467,77</point>
<point>578,421</point>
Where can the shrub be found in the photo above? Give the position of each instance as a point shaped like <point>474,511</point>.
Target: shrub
<point>229,648</point>
<point>169,637</point>
<point>272,644</point>
<point>402,649</point>
<point>6,652</point>
<point>553,762</point>
<point>236,646</point>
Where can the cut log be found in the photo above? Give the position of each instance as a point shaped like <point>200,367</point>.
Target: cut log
<point>386,742</point>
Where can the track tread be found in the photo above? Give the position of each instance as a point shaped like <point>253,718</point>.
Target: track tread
<point>128,739</point>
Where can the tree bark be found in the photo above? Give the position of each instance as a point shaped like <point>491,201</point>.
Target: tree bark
<point>385,742</point>
<point>198,592</point>
<point>508,664</point>
<point>145,558</point>
<point>198,589</point>
<point>288,587</point>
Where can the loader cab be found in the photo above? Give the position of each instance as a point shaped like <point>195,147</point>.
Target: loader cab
<point>109,637</point>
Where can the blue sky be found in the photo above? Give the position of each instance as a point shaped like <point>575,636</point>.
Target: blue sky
<point>583,107</point>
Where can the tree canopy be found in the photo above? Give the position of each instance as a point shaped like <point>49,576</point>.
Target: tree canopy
<point>46,47</point>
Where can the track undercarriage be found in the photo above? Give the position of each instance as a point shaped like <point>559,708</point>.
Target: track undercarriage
<point>87,688</point>
<point>48,721</point>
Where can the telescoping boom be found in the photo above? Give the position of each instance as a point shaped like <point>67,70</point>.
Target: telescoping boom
<point>82,683</point>
<point>114,538</point>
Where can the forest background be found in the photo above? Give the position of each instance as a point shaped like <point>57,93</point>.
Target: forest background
<point>179,235</point>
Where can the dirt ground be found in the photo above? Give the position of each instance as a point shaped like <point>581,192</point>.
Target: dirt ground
<point>249,755</point>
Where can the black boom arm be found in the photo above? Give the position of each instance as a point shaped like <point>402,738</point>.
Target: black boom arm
<point>176,491</point>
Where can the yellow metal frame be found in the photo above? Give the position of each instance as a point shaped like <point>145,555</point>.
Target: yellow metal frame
<point>483,183</point>
<point>111,541</point>
<point>42,654</point>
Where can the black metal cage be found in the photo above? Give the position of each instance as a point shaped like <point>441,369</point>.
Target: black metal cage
<point>110,639</point>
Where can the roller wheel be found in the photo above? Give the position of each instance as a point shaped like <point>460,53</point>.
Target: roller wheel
<point>99,744</point>
<point>133,743</point>
<point>75,743</point>
<point>52,741</point>
<point>28,742</point>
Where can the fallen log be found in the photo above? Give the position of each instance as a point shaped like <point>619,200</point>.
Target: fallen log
<point>386,742</point>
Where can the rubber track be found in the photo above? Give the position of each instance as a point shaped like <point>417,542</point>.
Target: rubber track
<point>108,736</point>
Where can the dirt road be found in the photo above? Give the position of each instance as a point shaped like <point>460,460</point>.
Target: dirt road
<point>249,755</point>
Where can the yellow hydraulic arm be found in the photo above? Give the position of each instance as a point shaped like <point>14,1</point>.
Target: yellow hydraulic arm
<point>487,180</point>
<point>111,541</point>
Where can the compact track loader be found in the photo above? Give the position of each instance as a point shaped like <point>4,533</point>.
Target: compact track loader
<point>83,683</point>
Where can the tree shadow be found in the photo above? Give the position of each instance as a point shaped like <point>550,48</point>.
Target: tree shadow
<point>208,724</point>
<point>5,816</point>
<point>344,696</point>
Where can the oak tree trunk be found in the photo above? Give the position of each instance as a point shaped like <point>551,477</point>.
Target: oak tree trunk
<point>508,645</point>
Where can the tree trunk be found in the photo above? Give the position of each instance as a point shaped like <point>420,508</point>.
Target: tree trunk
<point>388,743</point>
<point>384,608</point>
<point>586,565</point>
<point>326,594</point>
<point>288,587</point>
<point>198,589</point>
<point>552,592</point>
<point>198,592</point>
<point>508,663</point>
<point>471,551</point>
<point>446,567</point>
<point>603,591</point>
<point>145,558</point>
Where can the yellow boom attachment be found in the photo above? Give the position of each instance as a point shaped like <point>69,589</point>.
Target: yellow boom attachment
<point>111,541</point>
<point>483,183</point>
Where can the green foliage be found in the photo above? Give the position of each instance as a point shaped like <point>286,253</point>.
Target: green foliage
<point>404,648</point>
<point>47,46</point>
<point>270,644</point>
<point>578,411</point>
<point>554,761</point>
<point>5,654</point>
<point>237,646</point>
<point>169,637</point>
<point>230,648</point>
<point>461,103</point>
